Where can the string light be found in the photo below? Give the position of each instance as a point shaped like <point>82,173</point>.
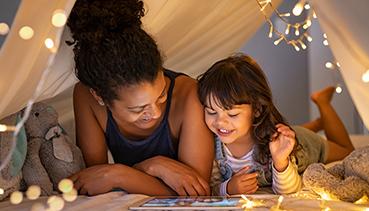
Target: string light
<point>329,65</point>
<point>4,128</point>
<point>49,43</point>
<point>65,185</point>
<point>16,197</point>
<point>307,6</point>
<point>279,40</point>
<point>325,42</point>
<point>365,76</point>
<point>55,203</point>
<point>4,29</point>
<point>26,32</point>
<point>299,27</point>
<point>2,191</point>
<point>299,7</point>
<point>338,64</point>
<point>59,18</point>
<point>33,192</point>
<point>338,89</point>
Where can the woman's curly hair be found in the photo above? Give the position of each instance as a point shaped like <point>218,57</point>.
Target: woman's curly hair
<point>111,50</point>
<point>240,80</point>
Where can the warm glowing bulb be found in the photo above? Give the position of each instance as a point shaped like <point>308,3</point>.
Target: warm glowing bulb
<point>325,35</point>
<point>33,192</point>
<point>329,65</point>
<point>338,90</point>
<point>16,197</point>
<point>297,32</point>
<point>278,41</point>
<point>338,64</point>
<point>325,42</point>
<point>295,46</point>
<point>55,203</point>
<point>70,196</point>
<point>49,43</point>
<point>365,77</point>
<point>26,32</point>
<point>4,28</point>
<point>270,35</point>
<point>287,29</point>
<point>307,6</point>
<point>299,7</point>
<point>303,46</point>
<point>59,18</point>
<point>314,15</point>
<point>286,14</point>
<point>1,191</point>
<point>65,185</point>
<point>4,128</point>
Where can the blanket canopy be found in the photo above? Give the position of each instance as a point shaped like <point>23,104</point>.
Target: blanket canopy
<point>191,34</point>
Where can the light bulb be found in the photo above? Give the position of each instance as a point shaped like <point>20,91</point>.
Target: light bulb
<point>4,28</point>
<point>303,46</point>
<point>59,18</point>
<point>49,43</point>
<point>325,42</point>
<point>329,65</point>
<point>278,41</point>
<point>1,191</point>
<point>299,7</point>
<point>339,91</point>
<point>33,192</point>
<point>55,203</point>
<point>338,64</point>
<point>26,32</point>
<point>287,29</point>
<point>307,6</point>
<point>65,185</point>
<point>16,197</point>
<point>270,35</point>
<point>365,77</point>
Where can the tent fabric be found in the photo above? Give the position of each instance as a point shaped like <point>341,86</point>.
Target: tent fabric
<point>349,43</point>
<point>191,35</point>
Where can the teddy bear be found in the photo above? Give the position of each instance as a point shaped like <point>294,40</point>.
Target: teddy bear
<point>11,174</point>
<point>347,181</point>
<point>51,156</point>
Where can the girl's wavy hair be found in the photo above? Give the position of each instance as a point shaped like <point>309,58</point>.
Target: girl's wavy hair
<point>240,80</point>
<point>111,50</point>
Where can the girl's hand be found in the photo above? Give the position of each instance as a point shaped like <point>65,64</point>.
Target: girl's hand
<point>281,146</point>
<point>179,177</point>
<point>96,179</point>
<point>243,183</point>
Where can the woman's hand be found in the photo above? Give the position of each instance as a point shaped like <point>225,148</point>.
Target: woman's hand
<point>281,146</point>
<point>179,177</point>
<point>96,179</point>
<point>243,183</point>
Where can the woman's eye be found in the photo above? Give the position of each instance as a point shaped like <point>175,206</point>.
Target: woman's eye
<point>210,112</point>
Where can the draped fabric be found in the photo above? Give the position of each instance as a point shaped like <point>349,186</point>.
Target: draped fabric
<point>191,35</point>
<point>347,29</point>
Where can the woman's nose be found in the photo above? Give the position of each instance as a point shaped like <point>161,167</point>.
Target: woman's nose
<point>155,111</point>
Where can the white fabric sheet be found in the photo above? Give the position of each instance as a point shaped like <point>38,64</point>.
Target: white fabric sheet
<point>347,28</point>
<point>191,34</point>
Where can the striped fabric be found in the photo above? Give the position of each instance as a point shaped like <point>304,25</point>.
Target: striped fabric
<point>285,182</point>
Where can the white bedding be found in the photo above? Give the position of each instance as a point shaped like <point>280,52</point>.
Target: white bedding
<point>121,201</point>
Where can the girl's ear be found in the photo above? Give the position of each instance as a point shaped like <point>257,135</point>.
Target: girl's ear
<point>257,111</point>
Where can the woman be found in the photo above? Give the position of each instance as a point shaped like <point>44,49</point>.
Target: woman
<point>149,118</point>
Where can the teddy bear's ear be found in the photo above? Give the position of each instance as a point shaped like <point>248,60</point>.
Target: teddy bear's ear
<point>61,147</point>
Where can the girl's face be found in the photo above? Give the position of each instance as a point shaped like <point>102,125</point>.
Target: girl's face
<point>141,105</point>
<point>229,125</point>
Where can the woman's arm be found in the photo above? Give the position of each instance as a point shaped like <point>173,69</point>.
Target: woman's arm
<point>196,145</point>
<point>102,177</point>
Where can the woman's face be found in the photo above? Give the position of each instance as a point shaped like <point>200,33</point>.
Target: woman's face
<point>141,105</point>
<point>229,125</point>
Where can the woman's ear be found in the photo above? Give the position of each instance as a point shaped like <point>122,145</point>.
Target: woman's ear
<point>97,97</point>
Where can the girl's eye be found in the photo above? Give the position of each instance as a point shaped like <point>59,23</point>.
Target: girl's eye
<point>232,115</point>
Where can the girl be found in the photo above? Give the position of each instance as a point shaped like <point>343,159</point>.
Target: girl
<point>255,147</point>
<point>148,117</point>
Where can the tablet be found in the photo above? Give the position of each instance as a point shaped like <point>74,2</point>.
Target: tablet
<point>188,202</point>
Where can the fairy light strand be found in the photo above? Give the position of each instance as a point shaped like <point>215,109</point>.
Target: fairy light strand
<point>298,42</point>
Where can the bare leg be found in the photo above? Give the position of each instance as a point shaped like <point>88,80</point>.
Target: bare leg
<point>338,139</point>
<point>315,125</point>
